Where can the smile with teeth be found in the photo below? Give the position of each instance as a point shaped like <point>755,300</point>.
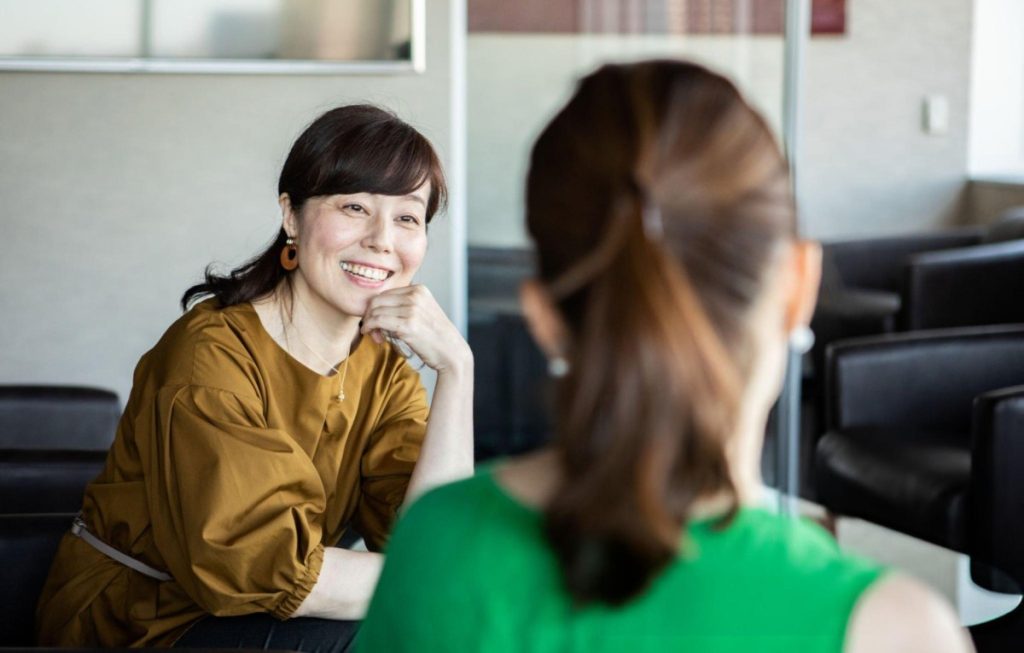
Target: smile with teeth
<point>373,274</point>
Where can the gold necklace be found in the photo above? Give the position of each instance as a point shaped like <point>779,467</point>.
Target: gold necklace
<point>334,368</point>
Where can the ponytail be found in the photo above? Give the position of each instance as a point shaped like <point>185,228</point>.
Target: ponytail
<point>657,303</point>
<point>641,419</point>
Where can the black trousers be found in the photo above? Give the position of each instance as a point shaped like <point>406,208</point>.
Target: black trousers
<point>262,631</point>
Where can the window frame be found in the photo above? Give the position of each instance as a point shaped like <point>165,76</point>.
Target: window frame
<point>416,64</point>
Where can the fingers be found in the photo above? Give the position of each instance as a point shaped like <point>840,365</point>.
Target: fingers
<point>395,320</point>
<point>398,310</point>
<point>416,294</point>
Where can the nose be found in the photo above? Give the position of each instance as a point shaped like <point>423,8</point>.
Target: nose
<point>378,236</point>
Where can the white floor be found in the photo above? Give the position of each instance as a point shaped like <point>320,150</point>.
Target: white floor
<point>948,572</point>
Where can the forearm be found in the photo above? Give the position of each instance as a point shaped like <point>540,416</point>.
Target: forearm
<point>447,452</point>
<point>343,589</point>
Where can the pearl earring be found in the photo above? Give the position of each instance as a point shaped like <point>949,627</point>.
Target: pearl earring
<point>801,339</point>
<point>558,367</point>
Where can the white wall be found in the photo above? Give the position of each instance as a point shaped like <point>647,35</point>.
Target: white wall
<point>118,189</point>
<point>997,90</point>
<point>867,166</point>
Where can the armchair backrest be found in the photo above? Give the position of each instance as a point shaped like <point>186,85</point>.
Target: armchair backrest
<point>925,380</point>
<point>878,263</point>
<point>34,417</point>
<point>965,287</point>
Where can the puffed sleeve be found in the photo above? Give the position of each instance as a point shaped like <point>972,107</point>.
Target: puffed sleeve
<point>390,456</point>
<point>235,505</point>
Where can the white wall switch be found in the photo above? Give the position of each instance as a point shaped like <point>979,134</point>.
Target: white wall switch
<point>935,115</point>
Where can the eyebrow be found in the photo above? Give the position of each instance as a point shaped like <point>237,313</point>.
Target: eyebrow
<point>419,199</point>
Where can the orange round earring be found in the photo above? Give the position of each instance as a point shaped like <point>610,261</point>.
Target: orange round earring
<point>289,255</point>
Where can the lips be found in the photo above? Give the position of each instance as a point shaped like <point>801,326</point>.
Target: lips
<point>367,272</point>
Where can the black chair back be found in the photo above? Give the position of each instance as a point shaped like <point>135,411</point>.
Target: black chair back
<point>27,547</point>
<point>53,441</point>
<point>921,380</point>
<point>57,417</point>
<point>965,287</point>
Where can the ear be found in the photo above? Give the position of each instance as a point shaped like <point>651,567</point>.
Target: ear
<point>805,275</point>
<point>543,319</point>
<point>289,221</point>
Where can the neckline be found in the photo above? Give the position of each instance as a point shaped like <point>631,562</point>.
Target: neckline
<point>487,472</point>
<point>295,362</point>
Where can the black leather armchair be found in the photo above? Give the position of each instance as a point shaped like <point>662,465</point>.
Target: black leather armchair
<point>53,441</point>
<point>27,546</point>
<point>862,294</point>
<point>925,437</point>
<point>897,450</point>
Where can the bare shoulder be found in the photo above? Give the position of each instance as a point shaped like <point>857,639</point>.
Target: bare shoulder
<point>901,614</point>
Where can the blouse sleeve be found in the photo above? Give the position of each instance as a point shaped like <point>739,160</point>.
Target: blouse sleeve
<point>234,504</point>
<point>390,456</point>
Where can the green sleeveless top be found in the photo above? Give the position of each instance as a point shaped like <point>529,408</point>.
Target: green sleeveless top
<point>468,569</point>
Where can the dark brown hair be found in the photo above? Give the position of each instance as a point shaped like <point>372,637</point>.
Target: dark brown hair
<point>656,199</point>
<point>352,149</point>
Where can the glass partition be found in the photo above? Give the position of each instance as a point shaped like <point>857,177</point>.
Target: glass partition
<point>523,62</point>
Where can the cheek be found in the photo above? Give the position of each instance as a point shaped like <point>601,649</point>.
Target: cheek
<point>412,254</point>
<point>326,239</point>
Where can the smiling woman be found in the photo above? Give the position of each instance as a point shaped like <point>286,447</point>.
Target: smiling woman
<point>274,417</point>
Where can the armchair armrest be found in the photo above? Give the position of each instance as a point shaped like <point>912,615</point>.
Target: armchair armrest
<point>924,380</point>
<point>996,495</point>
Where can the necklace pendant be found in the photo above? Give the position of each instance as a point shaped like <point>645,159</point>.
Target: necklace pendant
<point>341,395</point>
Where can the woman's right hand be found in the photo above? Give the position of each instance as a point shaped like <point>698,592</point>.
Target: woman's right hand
<point>412,315</point>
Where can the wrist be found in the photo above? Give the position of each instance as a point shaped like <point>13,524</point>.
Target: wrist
<point>460,365</point>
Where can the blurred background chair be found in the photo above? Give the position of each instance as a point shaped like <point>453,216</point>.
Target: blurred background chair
<point>959,277</point>
<point>966,286</point>
<point>28,543</point>
<point>896,283</point>
<point>53,441</point>
<point>998,528</point>
<point>510,373</point>
<point>925,436</point>
<point>862,282</point>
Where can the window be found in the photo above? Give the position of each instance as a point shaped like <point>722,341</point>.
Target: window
<point>212,35</point>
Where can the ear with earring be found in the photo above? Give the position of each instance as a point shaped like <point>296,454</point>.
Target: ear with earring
<point>290,254</point>
<point>801,339</point>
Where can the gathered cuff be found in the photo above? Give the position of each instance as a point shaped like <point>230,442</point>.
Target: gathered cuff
<point>303,585</point>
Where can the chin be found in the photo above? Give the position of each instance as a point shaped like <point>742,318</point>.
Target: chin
<point>352,307</point>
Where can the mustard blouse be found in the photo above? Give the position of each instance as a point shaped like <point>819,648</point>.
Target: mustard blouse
<point>234,465</point>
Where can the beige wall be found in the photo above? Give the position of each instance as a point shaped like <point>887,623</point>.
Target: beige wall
<point>987,199</point>
<point>867,165</point>
<point>118,189</point>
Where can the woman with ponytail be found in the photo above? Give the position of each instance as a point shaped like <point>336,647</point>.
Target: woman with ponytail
<point>278,414</point>
<point>669,282</point>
